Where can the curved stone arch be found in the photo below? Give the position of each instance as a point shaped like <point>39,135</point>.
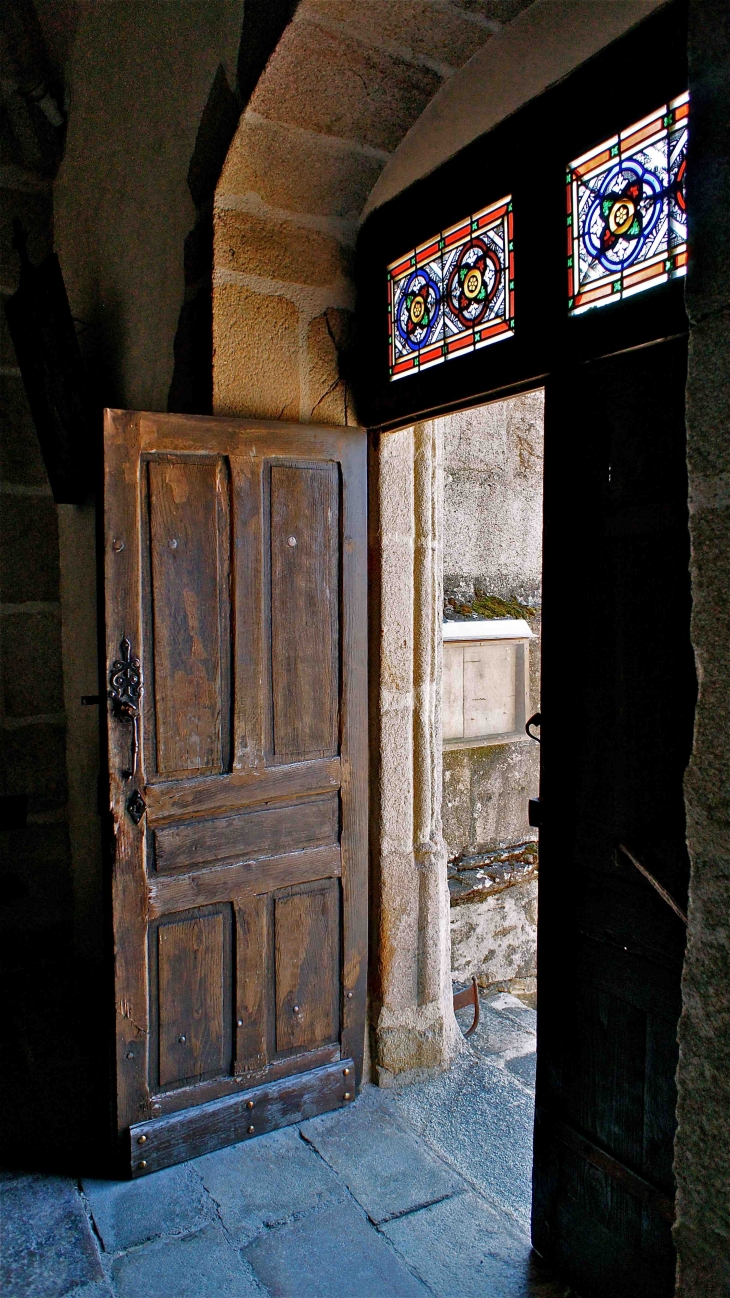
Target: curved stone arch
<point>343,87</point>
<point>316,147</point>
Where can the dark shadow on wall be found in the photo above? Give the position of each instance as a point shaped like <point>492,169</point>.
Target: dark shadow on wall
<point>191,389</point>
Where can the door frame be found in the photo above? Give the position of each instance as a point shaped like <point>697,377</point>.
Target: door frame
<point>400,414</point>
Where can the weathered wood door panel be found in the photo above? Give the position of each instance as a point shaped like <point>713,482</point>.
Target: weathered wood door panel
<point>236,635</point>
<point>617,708</point>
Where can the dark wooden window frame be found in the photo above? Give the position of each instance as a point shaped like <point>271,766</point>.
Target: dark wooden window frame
<point>525,156</point>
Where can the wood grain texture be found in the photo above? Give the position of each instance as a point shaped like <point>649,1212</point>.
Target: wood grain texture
<point>226,1122</point>
<point>354,751</point>
<point>245,788</point>
<point>252,951</point>
<point>129,910</point>
<point>233,835</point>
<point>307,945</point>
<point>167,893</point>
<point>193,962</point>
<point>304,610</point>
<point>189,539</point>
<point>247,836</point>
<point>187,1097</point>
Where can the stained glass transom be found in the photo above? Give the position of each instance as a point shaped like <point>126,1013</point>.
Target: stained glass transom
<point>627,219</point>
<point>454,293</point>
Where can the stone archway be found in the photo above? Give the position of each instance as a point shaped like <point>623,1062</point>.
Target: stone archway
<point>335,101</point>
<point>343,89</point>
<point>340,92</point>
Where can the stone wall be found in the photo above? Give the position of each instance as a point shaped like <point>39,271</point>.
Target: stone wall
<point>345,84</point>
<point>36,924</point>
<point>493,553</point>
<point>701,1152</point>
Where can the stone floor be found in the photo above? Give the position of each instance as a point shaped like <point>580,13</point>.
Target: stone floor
<point>410,1193</point>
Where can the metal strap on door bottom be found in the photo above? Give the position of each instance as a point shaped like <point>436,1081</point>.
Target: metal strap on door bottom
<point>618,1172</point>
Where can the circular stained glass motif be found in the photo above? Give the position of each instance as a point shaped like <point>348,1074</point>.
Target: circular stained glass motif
<point>623,214</point>
<point>418,310</point>
<point>473,282</point>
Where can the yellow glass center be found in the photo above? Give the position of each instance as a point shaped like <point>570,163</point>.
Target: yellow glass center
<point>418,308</point>
<point>472,283</point>
<point>621,216</point>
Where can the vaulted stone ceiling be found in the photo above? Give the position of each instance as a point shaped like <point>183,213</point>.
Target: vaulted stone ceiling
<point>344,85</point>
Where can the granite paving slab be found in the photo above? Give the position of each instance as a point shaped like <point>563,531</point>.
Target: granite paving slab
<point>262,1183</point>
<point>201,1265</point>
<point>382,1163</point>
<point>479,1116</point>
<point>332,1254</point>
<point>463,1248</point>
<point>127,1213</point>
<point>48,1248</point>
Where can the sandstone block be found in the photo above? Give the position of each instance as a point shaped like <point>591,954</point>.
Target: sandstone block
<point>276,249</point>
<point>255,354</point>
<point>292,169</point>
<point>328,338</point>
<point>331,84</point>
<point>423,30</point>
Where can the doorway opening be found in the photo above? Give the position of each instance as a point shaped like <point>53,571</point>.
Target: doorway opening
<point>482,524</point>
<point>492,599</point>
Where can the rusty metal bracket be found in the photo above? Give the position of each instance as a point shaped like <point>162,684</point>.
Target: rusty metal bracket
<point>469,997</point>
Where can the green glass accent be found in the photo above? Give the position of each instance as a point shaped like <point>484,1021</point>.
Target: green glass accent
<point>569,222</point>
<point>570,261</point>
<point>511,246</point>
<point>614,150</point>
<point>571,300</point>
<point>511,283</point>
<point>511,324</point>
<point>616,286</point>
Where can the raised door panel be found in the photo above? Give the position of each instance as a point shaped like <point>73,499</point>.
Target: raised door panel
<point>188,659</point>
<point>307,945</point>
<point>247,836</point>
<point>305,610</point>
<point>191,957</point>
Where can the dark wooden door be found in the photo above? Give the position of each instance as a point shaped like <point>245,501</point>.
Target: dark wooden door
<point>618,692</point>
<point>235,569</point>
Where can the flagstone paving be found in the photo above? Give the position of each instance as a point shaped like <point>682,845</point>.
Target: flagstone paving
<point>415,1192</point>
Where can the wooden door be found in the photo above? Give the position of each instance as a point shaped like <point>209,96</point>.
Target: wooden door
<point>618,692</point>
<point>235,569</point>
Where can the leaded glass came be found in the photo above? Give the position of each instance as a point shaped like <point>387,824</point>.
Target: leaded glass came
<point>454,293</point>
<point>627,218</point>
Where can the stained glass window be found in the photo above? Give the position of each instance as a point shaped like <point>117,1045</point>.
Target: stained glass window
<point>454,293</point>
<point>627,220</point>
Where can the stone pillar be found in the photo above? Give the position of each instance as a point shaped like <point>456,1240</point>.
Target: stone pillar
<point>702,1231</point>
<point>413,1020</point>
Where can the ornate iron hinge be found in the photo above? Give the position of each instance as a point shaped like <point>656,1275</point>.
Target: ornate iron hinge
<point>125,691</point>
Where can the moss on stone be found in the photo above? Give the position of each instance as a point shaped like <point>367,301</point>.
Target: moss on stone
<point>491,607</point>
